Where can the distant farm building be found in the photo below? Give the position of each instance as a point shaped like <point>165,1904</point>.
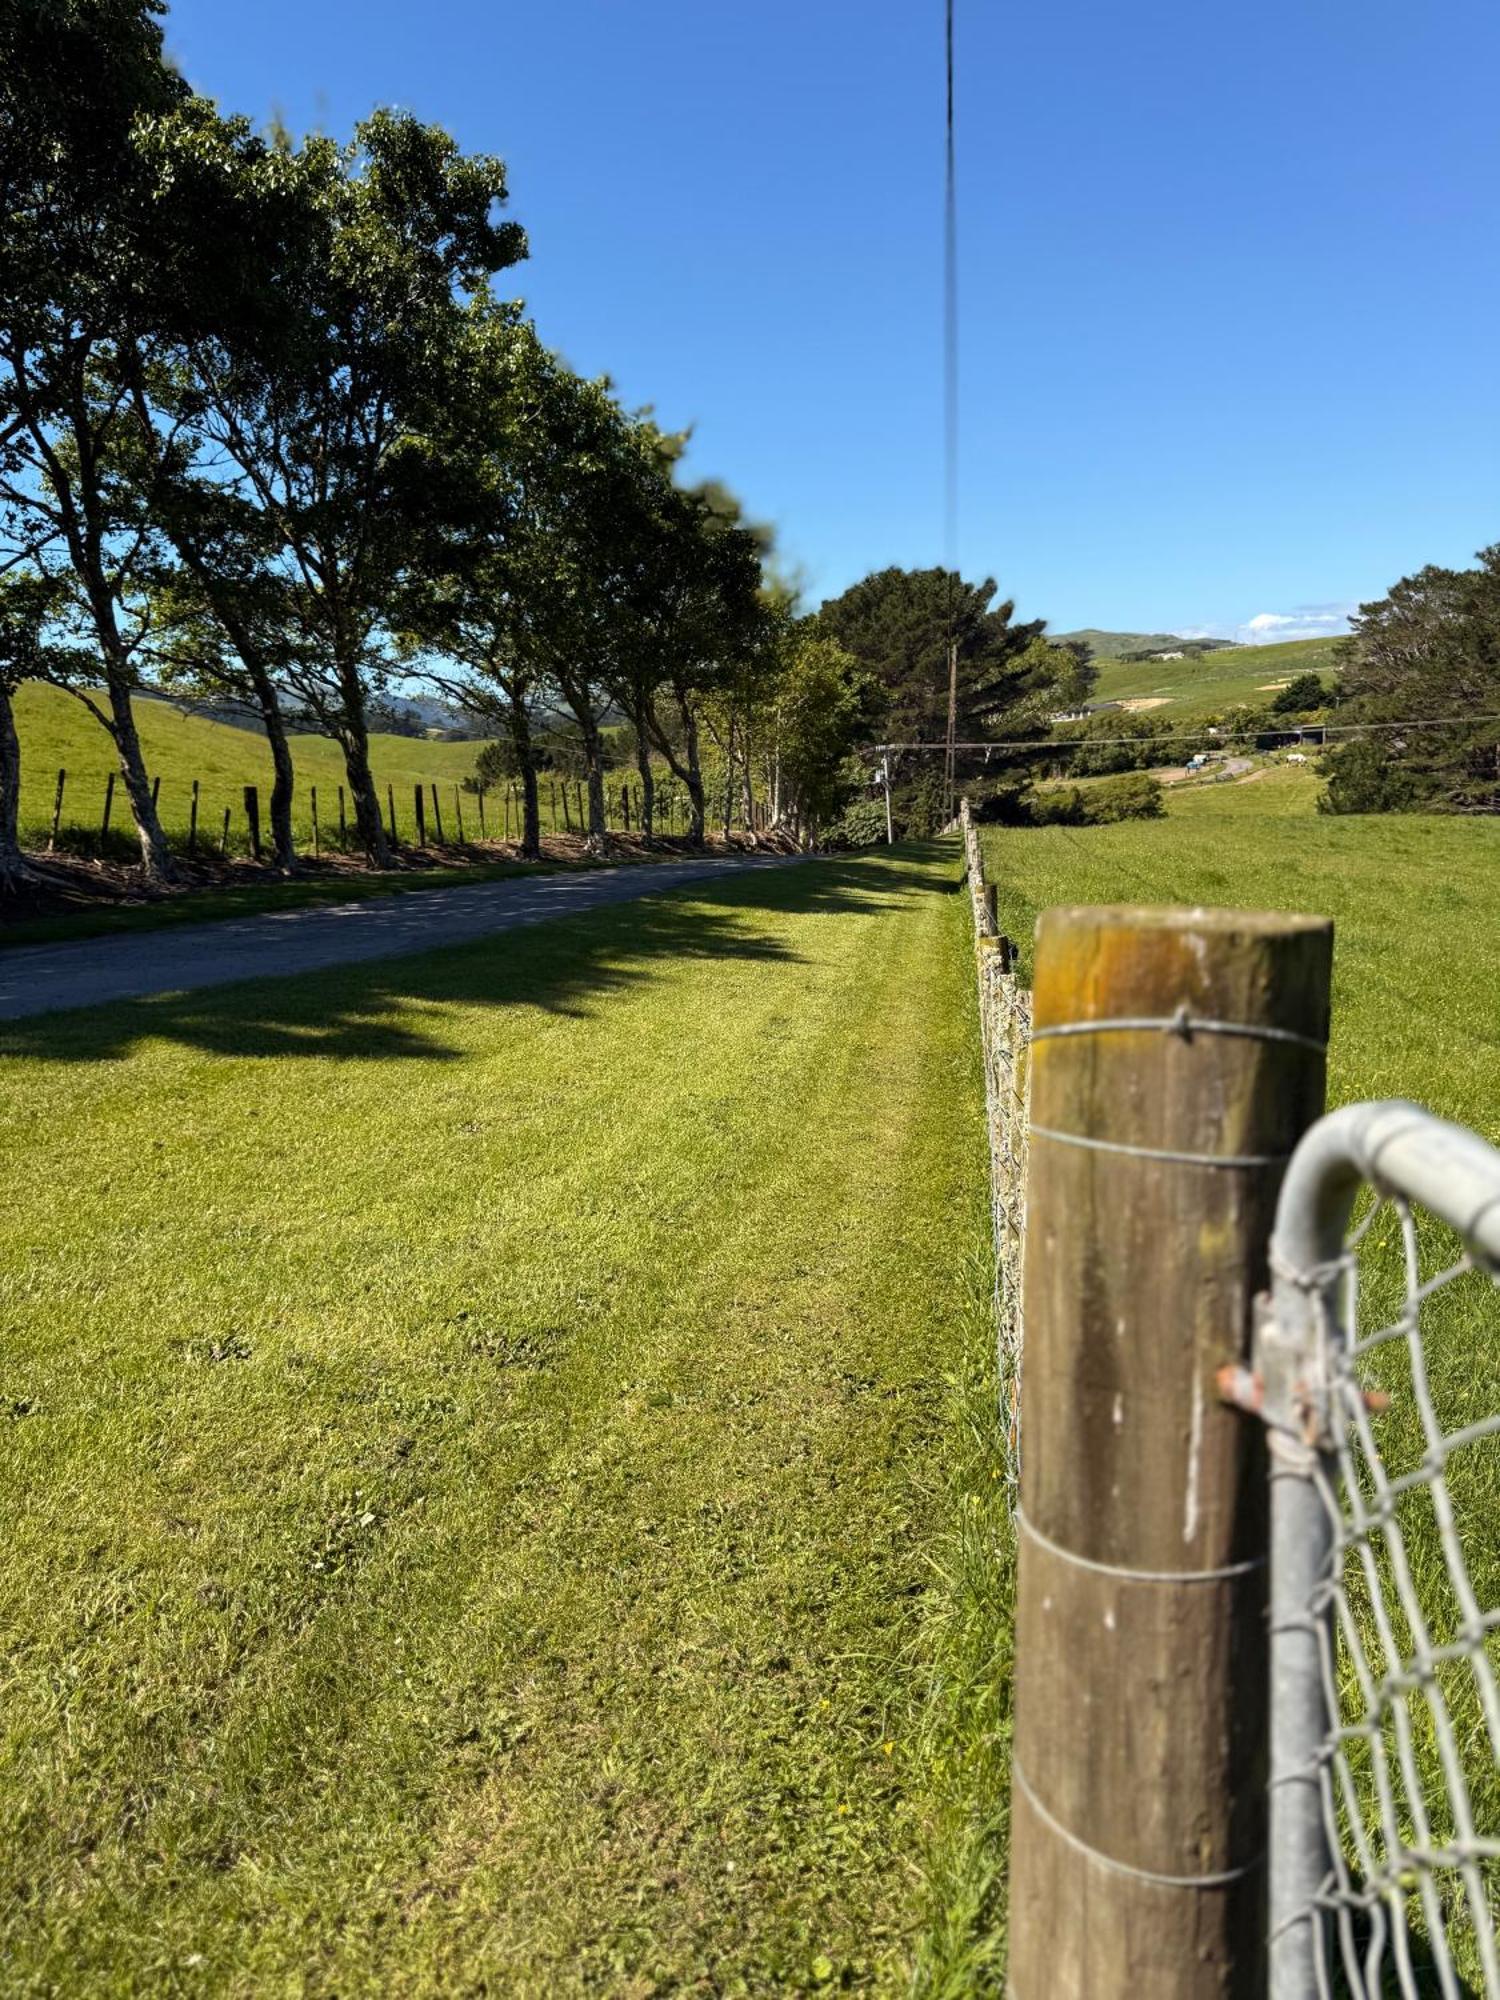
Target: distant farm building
<point>1083,710</point>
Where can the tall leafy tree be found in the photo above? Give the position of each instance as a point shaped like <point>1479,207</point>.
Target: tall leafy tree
<point>699,621</point>
<point>822,705</point>
<point>322,399</point>
<point>898,622</point>
<point>80,288</point>
<point>1430,647</point>
<point>473,610</point>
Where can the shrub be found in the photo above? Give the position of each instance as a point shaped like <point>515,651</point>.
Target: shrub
<point>1136,796</point>
<point>1363,778</point>
<point>859,825</point>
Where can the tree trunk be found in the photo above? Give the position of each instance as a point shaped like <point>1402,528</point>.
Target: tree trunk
<point>156,856</point>
<point>648,778</point>
<point>594,766</point>
<point>283,842</point>
<point>519,723</point>
<point>579,696</point>
<point>14,867</point>
<point>689,774</point>
<point>693,776</point>
<point>354,737</point>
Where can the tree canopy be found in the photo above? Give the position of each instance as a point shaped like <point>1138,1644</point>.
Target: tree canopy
<point>1429,649</point>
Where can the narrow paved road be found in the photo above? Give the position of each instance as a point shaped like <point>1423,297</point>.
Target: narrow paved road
<point>40,979</point>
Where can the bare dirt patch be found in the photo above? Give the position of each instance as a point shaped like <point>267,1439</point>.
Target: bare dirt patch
<point>1138,701</point>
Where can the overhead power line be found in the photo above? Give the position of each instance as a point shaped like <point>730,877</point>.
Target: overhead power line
<point>1198,735</point>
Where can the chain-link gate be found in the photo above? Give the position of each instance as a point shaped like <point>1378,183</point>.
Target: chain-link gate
<point>1374,1366</point>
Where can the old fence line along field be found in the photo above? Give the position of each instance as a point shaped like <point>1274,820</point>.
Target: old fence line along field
<point>499,1496</point>
<point>202,769</point>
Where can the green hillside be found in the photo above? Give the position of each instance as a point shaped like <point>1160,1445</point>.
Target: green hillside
<point>1111,644</point>
<point>1187,688</point>
<point>58,733</point>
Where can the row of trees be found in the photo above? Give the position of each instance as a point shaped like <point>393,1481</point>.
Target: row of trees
<point>270,436</point>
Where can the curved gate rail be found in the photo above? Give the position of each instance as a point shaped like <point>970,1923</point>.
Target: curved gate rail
<point>1370,1367</point>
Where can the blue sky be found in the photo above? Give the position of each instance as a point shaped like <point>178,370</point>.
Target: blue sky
<point>1229,272</point>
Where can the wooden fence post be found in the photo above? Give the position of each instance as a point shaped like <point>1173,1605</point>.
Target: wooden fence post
<point>390,801</point>
<point>507,812</point>
<point>1138,1818</point>
<point>317,850</point>
<point>155,790</point>
<point>421,812</point>
<point>252,820</point>
<point>109,805</point>
<point>62,779</point>
<point>567,816</point>
<point>437,815</point>
<point>224,843</point>
<point>193,820</point>
<point>458,813</point>
<point>483,829</point>
<point>343,824</point>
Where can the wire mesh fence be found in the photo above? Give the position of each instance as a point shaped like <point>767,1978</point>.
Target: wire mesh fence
<point>1005,1040</point>
<point>1386,1477</point>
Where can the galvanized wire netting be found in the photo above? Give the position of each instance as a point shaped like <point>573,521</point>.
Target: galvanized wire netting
<point>1005,1038</point>
<point>1409,1775</point>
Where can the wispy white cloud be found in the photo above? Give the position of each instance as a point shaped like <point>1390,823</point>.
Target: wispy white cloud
<point>1308,621</point>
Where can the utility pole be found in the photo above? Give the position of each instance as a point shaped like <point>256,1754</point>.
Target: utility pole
<point>950,749</point>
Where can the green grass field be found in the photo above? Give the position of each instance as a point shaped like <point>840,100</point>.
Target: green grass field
<point>1188,689</point>
<point>58,733</point>
<point>500,1466</point>
<point>1416,907</point>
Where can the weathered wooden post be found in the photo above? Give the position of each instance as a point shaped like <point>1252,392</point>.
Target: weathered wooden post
<point>62,779</point>
<point>224,841</point>
<point>507,812</point>
<point>109,806</point>
<point>458,813</point>
<point>567,816</point>
<point>437,815</point>
<point>317,849</point>
<point>155,790</point>
<point>483,829</point>
<point>343,824</point>
<point>193,820</point>
<point>390,802</point>
<point>252,820</point>
<point>1177,1056</point>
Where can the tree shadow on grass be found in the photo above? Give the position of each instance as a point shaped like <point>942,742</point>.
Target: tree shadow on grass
<point>378,1009</point>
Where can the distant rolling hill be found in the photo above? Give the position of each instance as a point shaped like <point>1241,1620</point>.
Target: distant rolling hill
<point>1193,687</point>
<point>1110,645</point>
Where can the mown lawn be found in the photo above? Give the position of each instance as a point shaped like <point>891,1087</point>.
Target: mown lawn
<point>1416,907</point>
<point>500,1479</point>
